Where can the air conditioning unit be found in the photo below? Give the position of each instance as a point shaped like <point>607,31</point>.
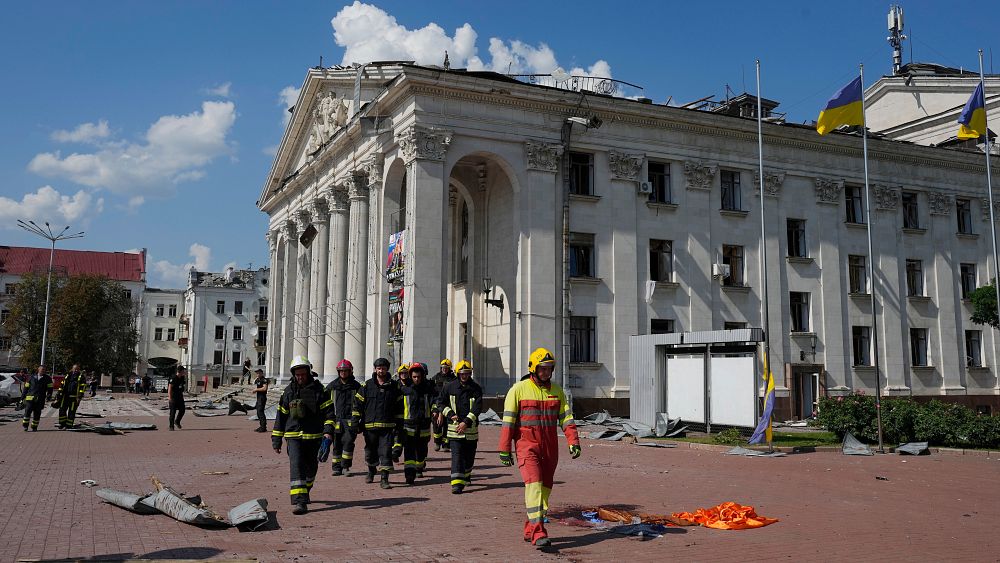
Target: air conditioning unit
<point>720,271</point>
<point>645,188</point>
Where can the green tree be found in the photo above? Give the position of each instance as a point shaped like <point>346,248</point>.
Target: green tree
<point>27,317</point>
<point>94,324</point>
<point>984,305</point>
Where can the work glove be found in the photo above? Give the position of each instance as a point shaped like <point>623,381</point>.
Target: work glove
<point>276,443</point>
<point>506,459</point>
<point>324,450</point>
<point>574,450</point>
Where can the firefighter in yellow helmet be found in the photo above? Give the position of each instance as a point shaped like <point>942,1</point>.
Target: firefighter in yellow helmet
<point>441,378</point>
<point>532,412</point>
<point>459,404</point>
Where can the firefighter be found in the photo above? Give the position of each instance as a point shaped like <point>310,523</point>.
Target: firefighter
<point>460,403</point>
<point>441,378</point>
<point>300,421</point>
<point>37,388</point>
<point>378,410</point>
<point>340,400</point>
<point>70,394</point>
<point>175,397</point>
<point>260,385</point>
<point>417,400</point>
<point>535,407</point>
<point>403,376</point>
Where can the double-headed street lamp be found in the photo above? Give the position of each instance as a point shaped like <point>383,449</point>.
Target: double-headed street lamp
<point>48,234</point>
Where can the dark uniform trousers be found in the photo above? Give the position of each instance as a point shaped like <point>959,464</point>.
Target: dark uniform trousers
<point>261,417</point>
<point>302,465</point>
<point>439,432</point>
<point>415,441</point>
<point>67,410</point>
<point>378,448</point>
<point>177,409</point>
<point>33,410</point>
<point>343,445</point>
<point>463,457</point>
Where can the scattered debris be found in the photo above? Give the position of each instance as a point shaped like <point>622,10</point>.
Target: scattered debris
<point>215,473</point>
<point>88,415</point>
<point>746,452</point>
<point>881,478</point>
<point>727,516</point>
<point>236,406</point>
<point>270,413</point>
<point>103,429</point>
<point>641,530</point>
<point>103,398</point>
<point>250,515</point>
<point>88,483</point>
<point>609,435</point>
<point>173,504</point>
<point>657,444</point>
<point>617,428</point>
<point>852,446</point>
<point>913,448</point>
<point>211,413</point>
<point>130,425</point>
<point>128,501</point>
<point>490,418</point>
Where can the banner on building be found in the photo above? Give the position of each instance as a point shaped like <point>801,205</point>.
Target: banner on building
<point>396,314</point>
<point>394,257</point>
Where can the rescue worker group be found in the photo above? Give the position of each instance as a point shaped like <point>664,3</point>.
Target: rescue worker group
<point>399,416</point>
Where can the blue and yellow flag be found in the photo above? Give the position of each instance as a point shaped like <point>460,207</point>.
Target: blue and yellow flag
<point>763,430</point>
<point>844,108</point>
<point>972,122</point>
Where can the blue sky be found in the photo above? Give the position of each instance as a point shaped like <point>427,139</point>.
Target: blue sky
<point>153,124</point>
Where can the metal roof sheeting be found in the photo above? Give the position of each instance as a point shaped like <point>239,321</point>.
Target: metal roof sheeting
<point>118,266</point>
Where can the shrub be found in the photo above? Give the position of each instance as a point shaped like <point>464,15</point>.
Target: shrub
<point>729,437</point>
<point>898,418</point>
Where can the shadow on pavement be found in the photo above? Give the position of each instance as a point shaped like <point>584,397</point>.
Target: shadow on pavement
<point>368,504</point>
<point>594,537</point>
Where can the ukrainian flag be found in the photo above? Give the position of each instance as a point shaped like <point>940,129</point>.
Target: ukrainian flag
<point>844,108</point>
<point>972,122</point>
<point>763,430</point>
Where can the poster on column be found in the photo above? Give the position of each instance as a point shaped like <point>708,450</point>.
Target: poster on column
<point>396,314</point>
<point>394,258</point>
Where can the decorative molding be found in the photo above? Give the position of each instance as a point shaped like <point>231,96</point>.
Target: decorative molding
<point>542,156</point>
<point>372,168</point>
<point>773,182</point>
<point>423,143</point>
<point>700,175</point>
<point>625,166</point>
<point>328,116</point>
<point>338,198</point>
<point>828,191</point>
<point>272,238</point>
<point>940,203</point>
<point>984,207</point>
<point>481,176</point>
<point>291,231</point>
<point>886,197</point>
<point>452,196</point>
<point>357,185</point>
<point>319,210</point>
<point>304,218</point>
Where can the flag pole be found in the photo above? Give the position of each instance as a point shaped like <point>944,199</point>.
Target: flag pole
<point>989,186</point>
<point>762,256</point>
<point>871,264</point>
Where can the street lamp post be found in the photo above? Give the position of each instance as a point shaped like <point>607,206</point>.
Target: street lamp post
<point>48,234</point>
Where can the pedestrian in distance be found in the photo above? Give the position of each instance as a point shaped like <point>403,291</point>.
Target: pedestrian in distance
<point>443,377</point>
<point>247,372</point>
<point>378,410</point>
<point>38,387</point>
<point>300,422</point>
<point>70,394</point>
<point>175,397</point>
<point>137,386</point>
<point>532,412</point>
<point>418,397</point>
<point>260,388</point>
<point>340,399</point>
<point>459,404</point>
<point>147,385</point>
<point>93,384</point>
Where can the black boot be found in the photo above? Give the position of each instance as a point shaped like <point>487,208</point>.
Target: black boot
<point>300,508</point>
<point>337,470</point>
<point>410,474</point>
<point>385,481</point>
<point>370,477</point>
<point>456,489</point>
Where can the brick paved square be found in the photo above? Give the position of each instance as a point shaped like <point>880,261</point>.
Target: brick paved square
<point>938,507</point>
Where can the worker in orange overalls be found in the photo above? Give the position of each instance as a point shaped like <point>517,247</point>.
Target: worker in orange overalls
<point>534,408</point>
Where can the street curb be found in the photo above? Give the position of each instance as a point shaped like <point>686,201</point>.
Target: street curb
<point>832,449</point>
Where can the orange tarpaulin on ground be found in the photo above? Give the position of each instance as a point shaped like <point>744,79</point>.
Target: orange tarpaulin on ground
<point>727,516</point>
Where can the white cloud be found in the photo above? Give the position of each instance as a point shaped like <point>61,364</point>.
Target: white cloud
<point>223,90</point>
<point>166,274</point>
<point>176,148</point>
<point>83,133</point>
<point>47,204</point>
<point>286,99</point>
<point>270,150</point>
<point>368,33</point>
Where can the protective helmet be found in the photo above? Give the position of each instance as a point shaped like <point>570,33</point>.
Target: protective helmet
<point>446,362</point>
<point>299,362</point>
<point>540,357</point>
<point>463,365</point>
<point>417,366</point>
<point>403,368</point>
<point>345,365</point>
<point>381,362</point>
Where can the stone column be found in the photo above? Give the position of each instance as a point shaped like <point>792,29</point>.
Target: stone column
<point>317,299</point>
<point>375,336</point>
<point>357,273</point>
<point>626,284</point>
<point>303,287</point>
<point>291,233</point>
<point>272,355</point>
<point>427,203</point>
<point>337,199</point>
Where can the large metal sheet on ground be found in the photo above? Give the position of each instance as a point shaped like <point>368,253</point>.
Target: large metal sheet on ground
<point>686,388</point>
<point>732,391</point>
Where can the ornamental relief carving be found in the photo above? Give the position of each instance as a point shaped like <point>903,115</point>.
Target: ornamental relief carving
<point>939,203</point>
<point>338,198</point>
<point>699,174</point>
<point>320,210</point>
<point>329,115</point>
<point>542,156</point>
<point>357,185</point>
<point>984,207</point>
<point>372,168</point>
<point>625,166</point>
<point>886,198</point>
<point>828,191</point>
<point>772,183</point>
<point>422,143</point>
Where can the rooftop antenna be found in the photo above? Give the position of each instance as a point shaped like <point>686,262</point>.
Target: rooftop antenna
<point>896,36</point>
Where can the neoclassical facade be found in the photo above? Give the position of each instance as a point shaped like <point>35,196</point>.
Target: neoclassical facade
<point>662,203</point>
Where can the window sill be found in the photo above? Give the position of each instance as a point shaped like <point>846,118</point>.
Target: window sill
<point>922,368</point>
<point>966,301</point>
<point>863,368</point>
<point>860,295</point>
<point>458,285</point>
<point>586,365</point>
<point>918,299</point>
<point>802,334</point>
<point>799,259</point>
<point>914,230</point>
<point>733,213</point>
<point>585,280</point>
<point>851,225</point>
<point>978,368</point>
<point>585,198</point>
<point>658,205</point>
<point>667,285</point>
<point>736,288</point>
<point>967,236</point>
